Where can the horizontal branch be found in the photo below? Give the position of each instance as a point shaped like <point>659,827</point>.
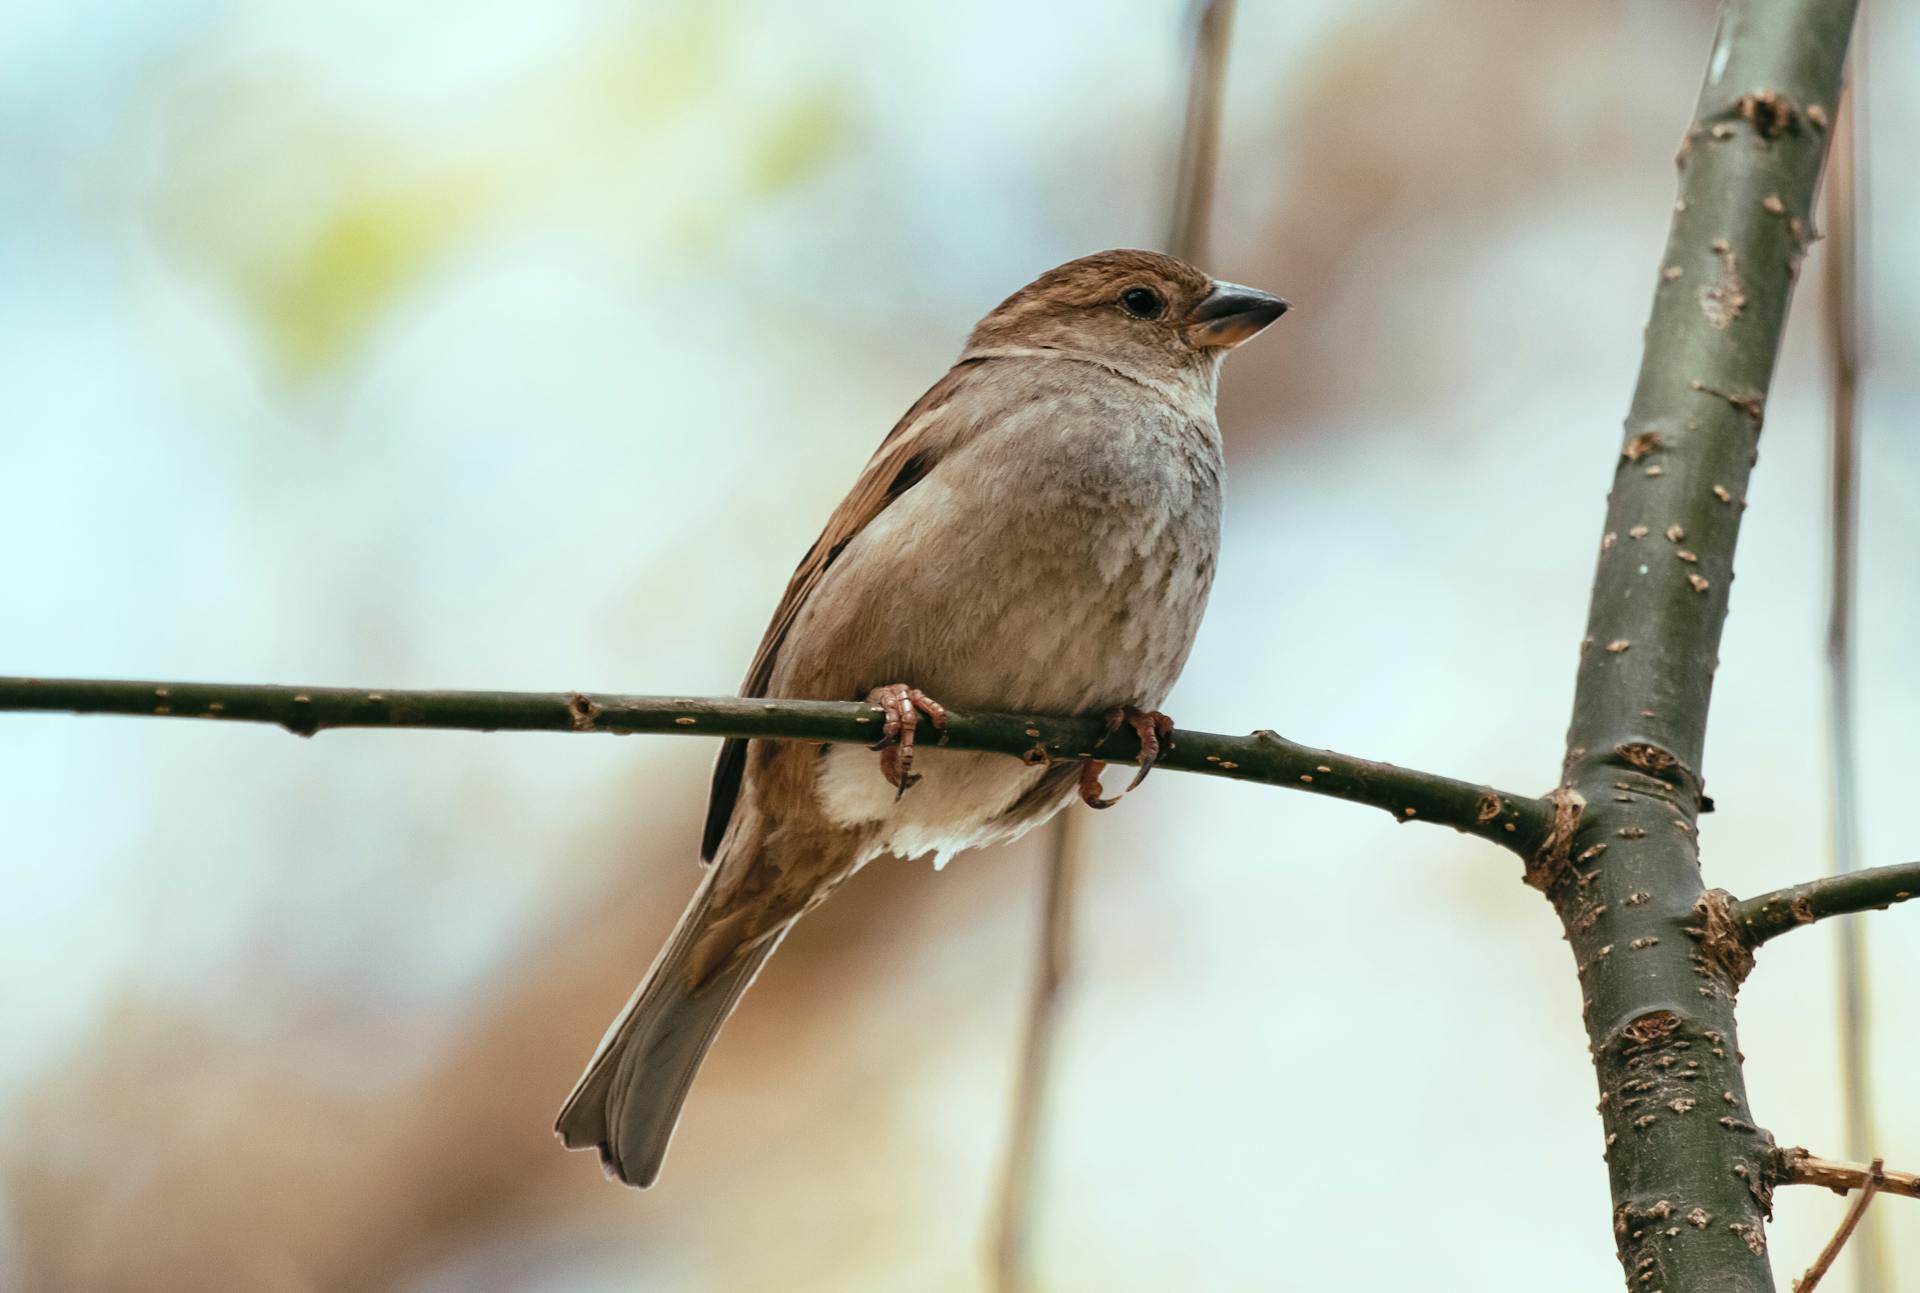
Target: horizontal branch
<point>1518,822</point>
<point>1798,1167</point>
<point>1772,914</point>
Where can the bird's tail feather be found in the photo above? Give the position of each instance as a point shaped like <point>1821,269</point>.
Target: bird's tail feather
<point>628,1101</point>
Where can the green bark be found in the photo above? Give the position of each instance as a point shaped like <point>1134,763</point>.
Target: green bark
<point>1772,914</point>
<point>1691,1173</point>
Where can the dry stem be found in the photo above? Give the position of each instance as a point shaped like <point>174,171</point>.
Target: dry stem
<point>1855,1211</point>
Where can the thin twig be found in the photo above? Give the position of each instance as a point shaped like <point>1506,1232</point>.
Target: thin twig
<point>1013,1221</point>
<point>1772,914</point>
<point>1518,822</point>
<point>1798,1167</point>
<point>1014,1208</point>
<point>1855,1211</point>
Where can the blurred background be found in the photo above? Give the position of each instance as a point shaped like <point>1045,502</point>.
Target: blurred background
<point>528,345</point>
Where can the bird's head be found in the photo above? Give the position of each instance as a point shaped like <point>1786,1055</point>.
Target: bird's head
<point>1138,310</point>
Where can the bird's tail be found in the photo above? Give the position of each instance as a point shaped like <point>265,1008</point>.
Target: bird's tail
<point>627,1102</point>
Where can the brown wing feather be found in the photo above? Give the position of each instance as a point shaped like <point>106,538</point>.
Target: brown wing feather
<point>903,458</point>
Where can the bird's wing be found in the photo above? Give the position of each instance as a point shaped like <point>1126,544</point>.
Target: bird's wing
<point>910,450</point>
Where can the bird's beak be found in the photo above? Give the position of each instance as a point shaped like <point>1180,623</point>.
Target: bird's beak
<point>1230,314</point>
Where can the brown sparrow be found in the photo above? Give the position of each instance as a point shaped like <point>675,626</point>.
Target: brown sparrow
<point>1038,535</point>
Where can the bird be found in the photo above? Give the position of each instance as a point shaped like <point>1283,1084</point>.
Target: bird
<point>1037,534</point>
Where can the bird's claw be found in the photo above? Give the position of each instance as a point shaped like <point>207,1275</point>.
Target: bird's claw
<point>1090,785</point>
<point>903,706</point>
<point>1155,731</point>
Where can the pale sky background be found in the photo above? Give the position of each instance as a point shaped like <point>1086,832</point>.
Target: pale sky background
<point>528,346</point>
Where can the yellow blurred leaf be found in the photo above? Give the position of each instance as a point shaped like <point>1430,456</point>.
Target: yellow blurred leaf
<point>806,134</point>
<point>317,303</point>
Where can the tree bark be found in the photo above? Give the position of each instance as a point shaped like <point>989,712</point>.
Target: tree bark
<point>1692,1175</point>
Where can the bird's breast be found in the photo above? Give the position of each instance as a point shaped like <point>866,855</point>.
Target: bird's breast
<point>1059,561</point>
<point>1059,564</point>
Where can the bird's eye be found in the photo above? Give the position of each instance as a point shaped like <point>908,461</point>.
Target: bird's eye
<point>1142,302</point>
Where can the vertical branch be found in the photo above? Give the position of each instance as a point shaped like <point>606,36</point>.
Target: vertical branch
<point>1200,137</point>
<point>1690,1171</point>
<point>1842,318</point>
<point>1013,1210</point>
<point>1013,1217</point>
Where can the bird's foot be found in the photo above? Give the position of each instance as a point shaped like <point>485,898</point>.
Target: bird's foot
<point>903,706</point>
<point>1155,731</point>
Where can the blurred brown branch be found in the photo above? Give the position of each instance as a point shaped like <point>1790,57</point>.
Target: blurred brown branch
<point>1200,134</point>
<point>1012,1221</point>
<point>1843,318</point>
